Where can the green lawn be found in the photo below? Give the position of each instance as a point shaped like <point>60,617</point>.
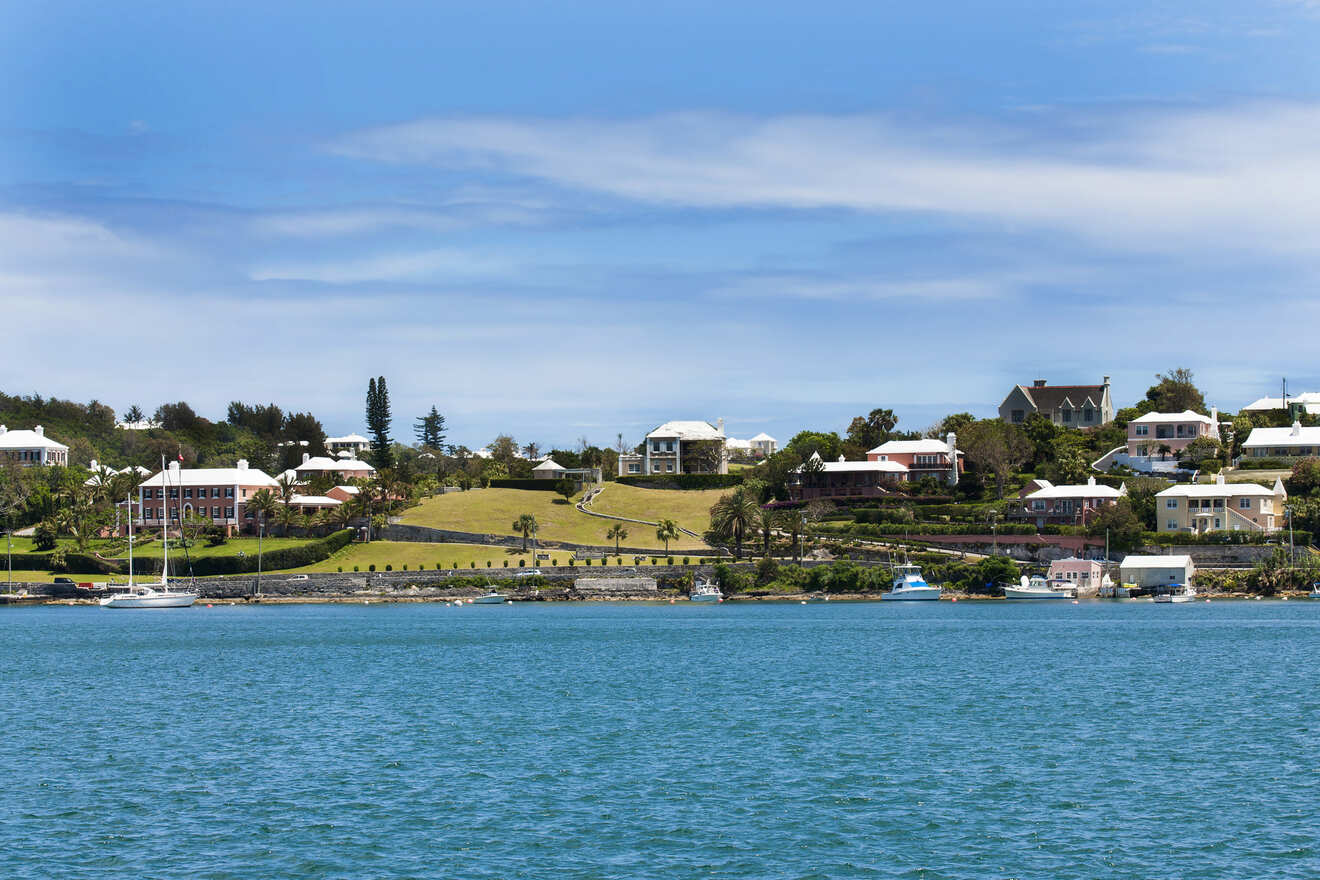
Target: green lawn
<point>426,556</point>
<point>493,511</point>
<point>151,548</point>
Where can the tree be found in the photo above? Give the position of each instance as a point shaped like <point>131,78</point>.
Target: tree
<point>991,572</point>
<point>1200,450</point>
<point>872,429</point>
<point>804,443</point>
<point>134,414</point>
<point>735,515</point>
<point>996,447</point>
<point>955,423</point>
<point>14,494</point>
<point>1173,393</point>
<point>666,530</point>
<point>794,521</point>
<point>504,449</point>
<point>525,524</point>
<point>567,488</point>
<point>1121,523</point>
<point>531,451</point>
<point>378,422</point>
<point>430,430</point>
<point>1305,478</point>
<point>1141,498</point>
<point>616,534</point>
<point>767,522</point>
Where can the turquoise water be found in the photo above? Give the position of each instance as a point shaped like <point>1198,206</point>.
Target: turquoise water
<point>601,741</point>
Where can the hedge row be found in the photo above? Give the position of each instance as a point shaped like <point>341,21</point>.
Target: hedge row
<point>77,563</point>
<point>543,485</point>
<point>288,557</point>
<point>681,481</point>
<point>1263,464</point>
<point>1300,538</point>
<point>917,529</point>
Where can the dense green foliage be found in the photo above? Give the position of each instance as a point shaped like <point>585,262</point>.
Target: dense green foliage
<point>681,481</point>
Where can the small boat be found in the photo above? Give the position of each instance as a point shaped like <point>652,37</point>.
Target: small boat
<point>157,595</point>
<point>816,597</point>
<point>705,591</point>
<point>491,598</point>
<point>1315,591</point>
<point>1177,594</point>
<point>1037,587</point>
<point>909,586</point>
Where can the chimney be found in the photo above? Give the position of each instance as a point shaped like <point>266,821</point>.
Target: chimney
<point>1219,478</point>
<point>1296,429</point>
<point>306,456</point>
<point>39,431</point>
<point>1039,383</point>
<point>174,466</point>
<point>842,459</point>
<point>1106,382</point>
<point>3,429</point>
<point>92,465</point>
<point>1090,481</point>
<point>242,464</point>
<point>720,424</point>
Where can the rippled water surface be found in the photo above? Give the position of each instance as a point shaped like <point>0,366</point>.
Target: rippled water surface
<point>831,741</point>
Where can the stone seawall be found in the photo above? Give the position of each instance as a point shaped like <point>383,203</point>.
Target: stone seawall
<point>427,535</point>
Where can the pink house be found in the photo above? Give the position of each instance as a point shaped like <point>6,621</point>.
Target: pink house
<point>1085,574</point>
<point>1068,505</point>
<point>1154,433</point>
<point>927,457</point>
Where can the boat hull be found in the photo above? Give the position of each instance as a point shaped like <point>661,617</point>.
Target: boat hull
<point>489,600</point>
<point>706,597</point>
<point>1019,593</point>
<point>174,600</point>
<point>918,594</point>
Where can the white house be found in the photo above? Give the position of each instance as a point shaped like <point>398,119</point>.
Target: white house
<point>1309,401</point>
<point>553,470</point>
<point>354,444</point>
<point>1155,571</point>
<point>1282,442</point>
<point>844,479</point>
<point>680,447</point>
<point>32,448</point>
<point>340,468</point>
<point>1068,503</point>
<point>764,445</point>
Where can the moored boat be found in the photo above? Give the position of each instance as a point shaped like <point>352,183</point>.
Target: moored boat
<point>1037,587</point>
<point>909,586</point>
<point>1176,594</point>
<point>491,598</point>
<point>705,591</point>
<point>157,595</point>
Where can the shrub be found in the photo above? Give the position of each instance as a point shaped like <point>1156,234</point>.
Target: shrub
<point>587,561</point>
<point>340,568</point>
<point>669,560</point>
<point>554,562</point>
<point>389,567</point>
<point>371,567</point>
<point>506,563</point>
<point>522,563</point>
<point>488,563</point>
<point>538,485</point>
<point>686,561</point>
<point>437,566</point>
<point>405,566</point>
<point>455,564</point>
<point>474,563</point>
<point>355,568</point>
<point>681,481</point>
<point>43,538</point>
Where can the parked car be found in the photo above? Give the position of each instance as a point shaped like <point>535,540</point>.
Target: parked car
<point>64,581</point>
<point>297,577</point>
<point>528,572</point>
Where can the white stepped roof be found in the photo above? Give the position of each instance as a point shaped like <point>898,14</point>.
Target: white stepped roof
<point>34,439</point>
<point>1219,490</point>
<point>735,443</point>
<point>1185,416</point>
<point>241,475</point>
<point>924,446</point>
<point>314,501</point>
<point>323,463</point>
<point>687,431</point>
<point>1294,436</point>
<point>549,465</point>
<point>1090,489</point>
<point>842,466</point>
<point>1178,561</point>
<point>348,438</point>
<point>763,437</point>
<point>1309,399</point>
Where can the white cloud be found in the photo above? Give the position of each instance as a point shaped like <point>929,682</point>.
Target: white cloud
<point>1243,178</point>
<point>415,266</point>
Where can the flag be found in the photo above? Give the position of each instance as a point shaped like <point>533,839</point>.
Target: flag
<point>180,456</point>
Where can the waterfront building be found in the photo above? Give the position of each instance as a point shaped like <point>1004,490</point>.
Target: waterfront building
<point>1293,442</point>
<point>1147,572</point>
<point>928,457</point>
<point>1072,406</point>
<point>1068,504</point>
<point>32,448</point>
<point>216,494</point>
<point>1220,506</point>
<point>1085,574</point>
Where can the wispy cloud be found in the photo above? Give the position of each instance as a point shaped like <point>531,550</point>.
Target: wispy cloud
<point>444,264</point>
<point>1245,178</point>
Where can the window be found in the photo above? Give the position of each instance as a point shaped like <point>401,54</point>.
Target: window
<point>1067,415</point>
<point>1219,504</point>
<point>1088,415</point>
<point>1172,525</point>
<point>669,446</point>
<point>1244,504</point>
<point>669,468</point>
<point>160,513</point>
<point>1172,503</point>
<point>146,513</point>
<point>229,513</point>
<point>215,511</point>
<point>215,492</point>
<point>634,467</point>
<point>187,493</point>
<point>1038,505</point>
<point>1019,416</point>
<point>1141,431</point>
<point>229,492</point>
<point>1217,523</point>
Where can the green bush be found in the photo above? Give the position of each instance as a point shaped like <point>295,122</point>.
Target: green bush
<point>488,563</point>
<point>389,567</point>
<point>681,481</point>
<point>522,563</point>
<point>535,485</point>
<point>506,563</point>
<point>275,560</point>
<point>371,567</point>
<point>405,566</point>
<point>1263,464</point>
<point>339,568</point>
<point>474,563</point>
<point>355,568</point>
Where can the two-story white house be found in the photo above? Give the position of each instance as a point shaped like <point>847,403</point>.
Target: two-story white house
<point>1068,504</point>
<point>1294,442</point>
<point>680,447</point>
<point>1220,506</point>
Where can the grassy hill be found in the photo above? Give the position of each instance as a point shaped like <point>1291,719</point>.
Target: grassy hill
<point>493,511</point>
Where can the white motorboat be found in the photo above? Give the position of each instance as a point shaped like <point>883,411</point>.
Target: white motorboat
<point>491,598</point>
<point>705,591</point>
<point>1315,591</point>
<point>158,595</point>
<point>1177,594</point>
<point>1037,587</point>
<point>909,586</point>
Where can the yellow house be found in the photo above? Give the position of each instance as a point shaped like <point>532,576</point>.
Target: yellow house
<point>1220,506</point>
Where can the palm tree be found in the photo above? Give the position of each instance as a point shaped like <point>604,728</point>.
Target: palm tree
<point>766,521</point>
<point>285,488</point>
<point>617,532</point>
<point>264,504</point>
<point>735,514</point>
<point>666,530</point>
<point>795,523</point>
<point>527,525</point>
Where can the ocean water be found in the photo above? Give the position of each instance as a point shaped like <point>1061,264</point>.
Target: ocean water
<point>967,740</point>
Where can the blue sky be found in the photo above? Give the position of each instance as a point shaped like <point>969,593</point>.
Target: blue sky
<point>580,219</point>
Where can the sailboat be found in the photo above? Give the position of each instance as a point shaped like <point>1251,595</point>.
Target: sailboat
<point>150,595</point>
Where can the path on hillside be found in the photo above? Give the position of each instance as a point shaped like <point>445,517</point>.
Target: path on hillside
<point>591,497</point>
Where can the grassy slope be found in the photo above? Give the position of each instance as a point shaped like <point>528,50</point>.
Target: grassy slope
<point>198,550</point>
<point>492,511</point>
<point>400,553</point>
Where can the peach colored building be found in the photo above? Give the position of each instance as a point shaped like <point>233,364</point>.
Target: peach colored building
<point>1220,506</point>
<point>216,494</point>
<point>921,458</point>
<point>1085,574</point>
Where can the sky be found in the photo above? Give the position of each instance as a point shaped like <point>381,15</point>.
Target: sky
<point>580,219</point>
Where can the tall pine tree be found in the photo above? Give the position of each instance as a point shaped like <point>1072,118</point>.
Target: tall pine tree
<point>430,430</point>
<point>378,422</point>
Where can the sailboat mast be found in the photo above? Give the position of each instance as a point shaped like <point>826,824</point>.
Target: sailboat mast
<point>165,527</point>
<point>128,500</point>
